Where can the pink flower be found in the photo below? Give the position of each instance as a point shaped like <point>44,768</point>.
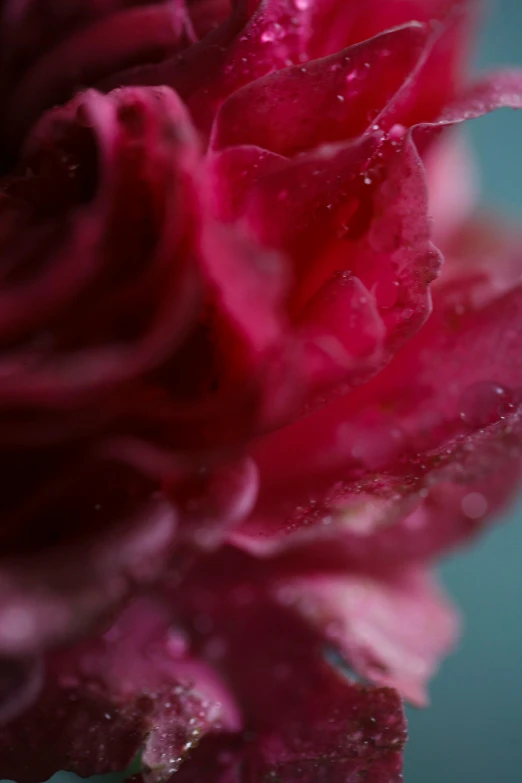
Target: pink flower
<point>242,408</point>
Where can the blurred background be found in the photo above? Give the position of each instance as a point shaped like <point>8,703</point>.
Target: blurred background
<point>472,731</point>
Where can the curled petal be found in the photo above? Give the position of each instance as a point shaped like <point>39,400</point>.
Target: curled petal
<point>458,431</point>
<point>111,43</point>
<point>304,720</point>
<point>344,333</point>
<point>412,430</point>
<point>214,501</point>
<point>83,579</point>
<point>20,683</point>
<point>360,209</point>
<point>128,120</point>
<point>391,631</point>
<point>132,689</point>
<point>328,100</point>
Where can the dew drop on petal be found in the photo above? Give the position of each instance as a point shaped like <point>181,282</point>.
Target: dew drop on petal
<point>484,403</point>
<point>397,131</point>
<point>273,33</point>
<point>474,505</point>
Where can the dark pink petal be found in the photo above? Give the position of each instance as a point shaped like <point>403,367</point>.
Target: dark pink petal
<point>380,529</point>
<point>346,733</point>
<point>494,91</point>
<point>446,410</point>
<point>153,124</point>
<point>133,688</point>
<point>20,683</point>
<point>83,578</point>
<point>262,37</point>
<point>441,71</point>
<point>206,73</point>
<point>327,100</point>
<point>355,209</point>
<point>219,758</point>
<point>375,450</point>
<point>248,283</point>
<point>87,308</point>
<point>336,25</point>
<point>342,332</point>
<point>392,631</point>
<point>111,43</point>
<point>302,717</point>
<point>206,15</point>
<point>233,172</point>
<point>252,364</point>
<point>213,501</point>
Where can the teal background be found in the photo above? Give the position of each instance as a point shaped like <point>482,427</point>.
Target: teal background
<point>472,733</point>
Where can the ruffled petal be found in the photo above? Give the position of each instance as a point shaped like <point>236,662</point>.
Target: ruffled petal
<point>132,689</point>
<point>21,680</point>
<point>354,209</point>
<point>304,720</point>
<point>437,414</point>
<point>328,100</point>
<point>391,631</point>
<point>47,600</point>
<point>95,151</point>
<point>123,38</point>
<point>376,451</point>
<point>260,38</point>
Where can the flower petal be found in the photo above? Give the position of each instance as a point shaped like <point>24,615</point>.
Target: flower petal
<point>304,720</point>
<point>380,452</point>
<point>115,41</point>
<point>134,688</point>
<point>84,578</point>
<point>375,450</point>
<point>391,631</point>
<point>360,209</point>
<point>328,100</point>
<point>155,124</point>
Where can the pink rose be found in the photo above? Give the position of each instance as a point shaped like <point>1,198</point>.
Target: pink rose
<point>242,407</point>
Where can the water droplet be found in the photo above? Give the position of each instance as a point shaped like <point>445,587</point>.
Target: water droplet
<point>340,98</point>
<point>351,76</point>
<point>302,5</point>
<point>273,33</point>
<point>397,131</point>
<point>474,505</point>
<point>484,403</point>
